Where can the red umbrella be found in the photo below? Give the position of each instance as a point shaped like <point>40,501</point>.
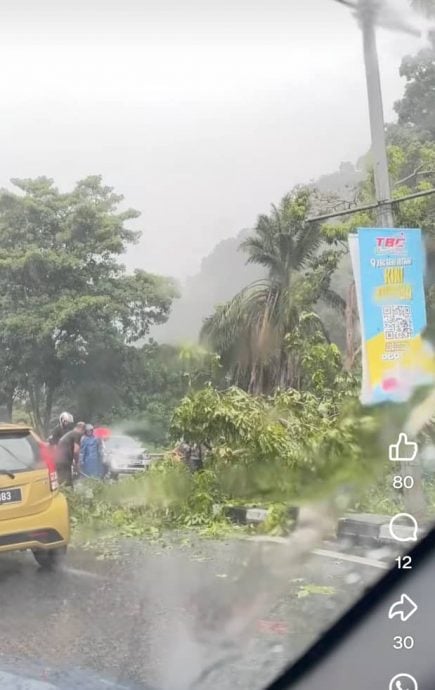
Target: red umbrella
<point>102,432</point>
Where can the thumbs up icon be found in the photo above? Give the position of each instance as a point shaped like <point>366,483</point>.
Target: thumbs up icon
<point>403,450</point>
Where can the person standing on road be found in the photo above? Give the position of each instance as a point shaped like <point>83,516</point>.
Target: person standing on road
<point>66,423</point>
<point>91,454</point>
<point>68,452</point>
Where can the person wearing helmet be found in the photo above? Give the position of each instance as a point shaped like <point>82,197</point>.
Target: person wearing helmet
<point>67,453</point>
<point>91,454</point>
<point>66,423</point>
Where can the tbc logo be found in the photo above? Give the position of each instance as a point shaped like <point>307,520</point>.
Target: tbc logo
<point>390,244</point>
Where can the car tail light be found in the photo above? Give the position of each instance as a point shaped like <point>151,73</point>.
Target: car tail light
<point>54,482</point>
<point>47,455</point>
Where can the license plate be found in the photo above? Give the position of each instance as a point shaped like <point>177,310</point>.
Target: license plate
<point>10,496</point>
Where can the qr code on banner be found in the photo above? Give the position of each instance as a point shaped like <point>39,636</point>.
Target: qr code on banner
<point>397,322</point>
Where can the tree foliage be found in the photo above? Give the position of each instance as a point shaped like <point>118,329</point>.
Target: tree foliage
<point>426,7</point>
<point>289,444</point>
<point>63,291</point>
<point>417,107</point>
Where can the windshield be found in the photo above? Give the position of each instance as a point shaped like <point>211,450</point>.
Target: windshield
<point>217,243</point>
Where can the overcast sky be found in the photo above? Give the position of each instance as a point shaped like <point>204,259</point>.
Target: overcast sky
<point>201,112</point>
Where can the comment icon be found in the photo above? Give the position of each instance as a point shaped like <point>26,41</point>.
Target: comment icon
<point>403,527</point>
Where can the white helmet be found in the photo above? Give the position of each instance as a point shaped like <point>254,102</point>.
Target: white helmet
<point>66,418</point>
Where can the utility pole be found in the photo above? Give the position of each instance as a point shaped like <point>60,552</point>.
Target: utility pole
<point>369,16</point>
<point>367,13</point>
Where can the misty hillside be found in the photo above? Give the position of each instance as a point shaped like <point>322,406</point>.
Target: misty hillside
<point>224,271</point>
<point>342,182</point>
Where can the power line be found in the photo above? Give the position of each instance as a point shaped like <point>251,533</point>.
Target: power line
<point>370,207</point>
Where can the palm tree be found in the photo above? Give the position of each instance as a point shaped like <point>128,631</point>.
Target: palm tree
<point>249,331</point>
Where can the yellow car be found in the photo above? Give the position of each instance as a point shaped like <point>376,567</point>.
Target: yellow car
<point>33,513</point>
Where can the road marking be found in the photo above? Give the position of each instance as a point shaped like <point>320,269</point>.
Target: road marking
<point>82,573</point>
<point>326,553</point>
<point>353,559</point>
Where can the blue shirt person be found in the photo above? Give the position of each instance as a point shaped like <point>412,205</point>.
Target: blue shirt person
<point>91,454</point>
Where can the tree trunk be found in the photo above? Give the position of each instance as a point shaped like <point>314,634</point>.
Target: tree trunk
<point>34,404</point>
<point>288,373</point>
<point>294,372</point>
<point>282,378</point>
<point>236,376</point>
<point>9,405</point>
<point>48,409</point>
<point>259,385</point>
<point>252,381</point>
<point>350,327</point>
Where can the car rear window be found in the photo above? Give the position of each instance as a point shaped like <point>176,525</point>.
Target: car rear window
<point>18,452</point>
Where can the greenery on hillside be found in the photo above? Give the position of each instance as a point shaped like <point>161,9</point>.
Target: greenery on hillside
<point>272,388</point>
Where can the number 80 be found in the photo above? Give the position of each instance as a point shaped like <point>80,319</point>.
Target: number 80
<point>400,482</point>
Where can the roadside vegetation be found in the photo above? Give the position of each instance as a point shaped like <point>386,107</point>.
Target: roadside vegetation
<point>270,388</point>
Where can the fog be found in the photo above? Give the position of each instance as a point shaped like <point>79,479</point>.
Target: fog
<point>200,112</point>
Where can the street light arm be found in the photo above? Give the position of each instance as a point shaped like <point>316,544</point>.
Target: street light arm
<point>348,3</point>
<point>381,14</point>
<point>396,24</point>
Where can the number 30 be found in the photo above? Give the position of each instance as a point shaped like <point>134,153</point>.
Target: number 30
<point>403,642</point>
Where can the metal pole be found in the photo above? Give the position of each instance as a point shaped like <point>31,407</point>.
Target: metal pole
<point>414,499</point>
<point>367,11</point>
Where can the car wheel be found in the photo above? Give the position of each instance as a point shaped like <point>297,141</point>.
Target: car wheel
<point>114,476</point>
<point>49,559</point>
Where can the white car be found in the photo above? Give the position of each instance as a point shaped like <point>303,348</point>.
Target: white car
<point>124,455</point>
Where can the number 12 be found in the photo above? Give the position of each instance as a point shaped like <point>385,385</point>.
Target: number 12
<point>404,562</point>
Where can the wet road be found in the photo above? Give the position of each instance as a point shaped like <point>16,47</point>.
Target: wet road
<point>159,615</point>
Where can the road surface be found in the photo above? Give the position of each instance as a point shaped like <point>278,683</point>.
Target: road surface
<point>168,615</point>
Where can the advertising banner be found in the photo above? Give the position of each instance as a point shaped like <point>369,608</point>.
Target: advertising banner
<point>388,267</point>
